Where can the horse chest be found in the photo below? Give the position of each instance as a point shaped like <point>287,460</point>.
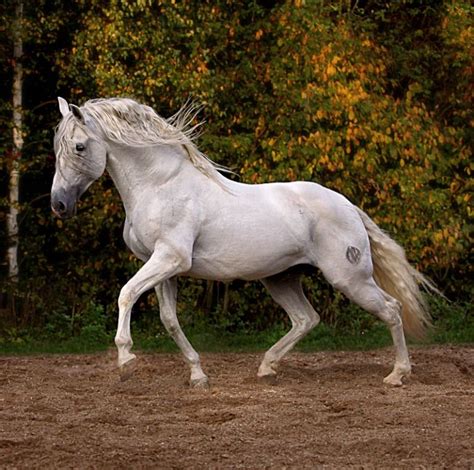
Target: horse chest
<point>134,241</point>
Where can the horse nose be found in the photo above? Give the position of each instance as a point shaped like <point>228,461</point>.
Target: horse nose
<point>59,204</point>
<point>58,207</point>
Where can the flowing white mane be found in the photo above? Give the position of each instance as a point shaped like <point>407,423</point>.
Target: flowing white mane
<point>124,121</point>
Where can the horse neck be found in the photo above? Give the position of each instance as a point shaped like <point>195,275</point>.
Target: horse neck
<point>136,171</point>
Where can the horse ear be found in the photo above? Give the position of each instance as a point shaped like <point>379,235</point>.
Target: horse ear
<point>77,113</point>
<point>63,106</point>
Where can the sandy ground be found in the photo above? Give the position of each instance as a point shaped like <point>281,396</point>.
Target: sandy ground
<point>327,410</point>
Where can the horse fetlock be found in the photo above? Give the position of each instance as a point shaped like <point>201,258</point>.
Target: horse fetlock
<point>123,343</point>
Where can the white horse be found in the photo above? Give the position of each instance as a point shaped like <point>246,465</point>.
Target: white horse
<point>183,218</point>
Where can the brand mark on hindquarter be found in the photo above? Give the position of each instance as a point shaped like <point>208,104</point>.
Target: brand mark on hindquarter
<point>353,254</point>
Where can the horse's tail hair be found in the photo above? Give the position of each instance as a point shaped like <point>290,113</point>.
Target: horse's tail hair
<point>398,278</point>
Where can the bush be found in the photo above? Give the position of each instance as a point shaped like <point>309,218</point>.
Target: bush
<point>369,98</point>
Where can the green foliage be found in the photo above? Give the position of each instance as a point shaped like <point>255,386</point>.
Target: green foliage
<point>454,324</point>
<point>373,99</point>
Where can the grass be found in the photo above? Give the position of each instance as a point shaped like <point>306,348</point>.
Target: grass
<point>454,324</point>
<point>211,339</point>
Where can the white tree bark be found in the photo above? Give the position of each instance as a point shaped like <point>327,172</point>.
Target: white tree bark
<point>14,178</point>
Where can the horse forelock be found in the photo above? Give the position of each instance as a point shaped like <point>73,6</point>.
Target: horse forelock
<point>62,146</point>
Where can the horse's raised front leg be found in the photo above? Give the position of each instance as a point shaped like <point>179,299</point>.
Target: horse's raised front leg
<point>166,292</point>
<point>288,293</point>
<point>164,263</point>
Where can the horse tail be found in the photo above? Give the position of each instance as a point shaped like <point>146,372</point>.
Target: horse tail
<point>398,278</point>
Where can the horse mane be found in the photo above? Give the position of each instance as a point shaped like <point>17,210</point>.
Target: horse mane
<point>125,121</point>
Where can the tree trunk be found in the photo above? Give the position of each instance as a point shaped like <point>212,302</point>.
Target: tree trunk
<point>14,179</point>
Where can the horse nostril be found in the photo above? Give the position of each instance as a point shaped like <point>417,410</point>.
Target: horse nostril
<point>59,207</point>
<point>63,204</point>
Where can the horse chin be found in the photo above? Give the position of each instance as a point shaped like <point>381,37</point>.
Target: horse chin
<point>71,213</point>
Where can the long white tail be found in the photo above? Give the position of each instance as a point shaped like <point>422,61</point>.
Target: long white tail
<point>398,278</point>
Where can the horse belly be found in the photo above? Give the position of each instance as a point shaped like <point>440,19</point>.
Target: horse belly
<point>249,251</point>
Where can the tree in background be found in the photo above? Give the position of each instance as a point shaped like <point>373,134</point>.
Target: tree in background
<point>14,179</point>
<point>368,98</point>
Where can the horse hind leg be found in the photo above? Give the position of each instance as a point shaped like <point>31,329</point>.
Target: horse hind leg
<point>367,294</point>
<point>287,291</point>
<point>391,315</point>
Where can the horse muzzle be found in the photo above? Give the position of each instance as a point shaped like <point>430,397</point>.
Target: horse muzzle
<point>63,204</point>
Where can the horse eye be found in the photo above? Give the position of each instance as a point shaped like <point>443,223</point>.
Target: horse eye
<point>80,147</point>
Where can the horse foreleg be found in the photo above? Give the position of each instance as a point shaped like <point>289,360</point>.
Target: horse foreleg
<point>288,293</point>
<point>163,264</point>
<point>166,292</point>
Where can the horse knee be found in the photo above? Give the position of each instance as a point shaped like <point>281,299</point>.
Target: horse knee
<point>125,298</point>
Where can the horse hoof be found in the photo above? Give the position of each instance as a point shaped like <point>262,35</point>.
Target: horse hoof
<point>201,383</point>
<point>396,377</point>
<point>393,380</point>
<point>128,369</point>
<point>268,379</point>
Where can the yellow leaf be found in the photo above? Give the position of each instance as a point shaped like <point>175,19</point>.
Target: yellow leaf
<point>330,70</point>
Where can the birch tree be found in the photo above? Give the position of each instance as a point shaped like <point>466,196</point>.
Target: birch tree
<point>14,177</point>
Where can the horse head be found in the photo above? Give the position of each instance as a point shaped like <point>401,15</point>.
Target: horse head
<point>80,159</point>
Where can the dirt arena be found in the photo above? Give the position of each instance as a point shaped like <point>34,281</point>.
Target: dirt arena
<point>327,410</point>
